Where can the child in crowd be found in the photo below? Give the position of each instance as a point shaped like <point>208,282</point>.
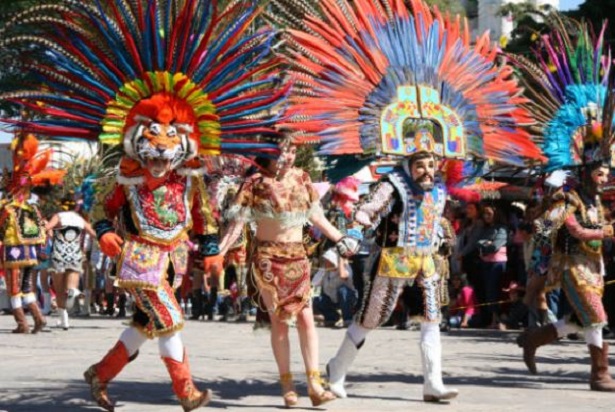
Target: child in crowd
<point>516,314</point>
<point>463,302</point>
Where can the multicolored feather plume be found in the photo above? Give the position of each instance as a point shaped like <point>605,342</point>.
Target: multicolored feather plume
<point>350,59</point>
<point>105,56</point>
<point>568,92</point>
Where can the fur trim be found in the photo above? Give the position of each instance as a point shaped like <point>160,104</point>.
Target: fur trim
<point>185,171</point>
<point>130,181</point>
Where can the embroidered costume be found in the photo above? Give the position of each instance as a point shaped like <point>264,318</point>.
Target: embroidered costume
<point>407,222</point>
<point>22,229</point>
<point>169,81</point>
<point>378,78</point>
<point>282,268</point>
<point>575,111</point>
<point>67,247</point>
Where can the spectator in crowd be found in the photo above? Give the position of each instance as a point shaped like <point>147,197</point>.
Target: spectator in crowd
<point>337,291</point>
<point>492,251</point>
<point>462,307</point>
<point>467,246</point>
<point>516,314</point>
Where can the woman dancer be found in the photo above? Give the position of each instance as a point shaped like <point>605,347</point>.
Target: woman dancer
<point>281,200</point>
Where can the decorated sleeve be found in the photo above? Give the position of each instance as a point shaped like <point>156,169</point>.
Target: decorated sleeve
<point>580,232</point>
<point>378,204</point>
<point>204,225</point>
<point>106,210</point>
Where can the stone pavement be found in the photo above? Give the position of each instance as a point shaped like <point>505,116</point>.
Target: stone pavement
<point>44,372</point>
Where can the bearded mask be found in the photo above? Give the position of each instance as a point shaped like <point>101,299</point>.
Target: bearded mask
<point>422,168</point>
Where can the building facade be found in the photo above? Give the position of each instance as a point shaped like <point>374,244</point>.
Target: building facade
<point>500,27</point>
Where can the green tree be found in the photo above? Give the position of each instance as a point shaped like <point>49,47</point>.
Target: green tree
<point>450,6</point>
<point>529,25</point>
<point>596,12</point>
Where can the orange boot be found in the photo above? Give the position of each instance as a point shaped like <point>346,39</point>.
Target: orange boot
<point>100,374</point>
<point>189,396</point>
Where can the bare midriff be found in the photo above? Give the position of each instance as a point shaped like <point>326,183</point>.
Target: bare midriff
<point>271,230</point>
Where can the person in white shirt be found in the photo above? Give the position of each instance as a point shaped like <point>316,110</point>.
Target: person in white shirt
<point>67,255</point>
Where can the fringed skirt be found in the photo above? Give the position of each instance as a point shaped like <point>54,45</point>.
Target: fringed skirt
<point>584,293</point>
<point>283,269</point>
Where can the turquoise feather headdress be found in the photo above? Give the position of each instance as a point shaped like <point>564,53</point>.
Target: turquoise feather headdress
<point>570,94</point>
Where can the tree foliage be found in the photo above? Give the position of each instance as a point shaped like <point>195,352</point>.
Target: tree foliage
<point>450,6</point>
<point>529,25</point>
<point>596,12</point>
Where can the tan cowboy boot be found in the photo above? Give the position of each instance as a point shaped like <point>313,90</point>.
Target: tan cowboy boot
<point>531,340</point>
<point>22,322</point>
<point>37,315</point>
<point>600,379</point>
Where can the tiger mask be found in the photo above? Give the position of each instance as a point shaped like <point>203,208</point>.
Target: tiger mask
<point>160,134</point>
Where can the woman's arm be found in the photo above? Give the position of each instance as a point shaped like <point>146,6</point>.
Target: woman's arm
<point>319,220</point>
<point>583,233</point>
<point>233,231</point>
<point>89,230</point>
<point>55,221</point>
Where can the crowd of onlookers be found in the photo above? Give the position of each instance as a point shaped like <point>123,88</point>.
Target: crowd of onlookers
<point>486,284</point>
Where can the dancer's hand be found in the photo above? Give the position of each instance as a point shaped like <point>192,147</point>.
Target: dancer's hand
<point>608,230</point>
<point>347,246</point>
<point>111,244</point>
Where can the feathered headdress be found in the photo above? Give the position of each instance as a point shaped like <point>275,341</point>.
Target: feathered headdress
<point>209,71</point>
<point>30,166</point>
<point>376,77</point>
<point>569,94</point>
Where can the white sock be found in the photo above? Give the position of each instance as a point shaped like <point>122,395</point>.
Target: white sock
<point>171,347</point>
<point>132,340</point>
<point>16,302</point>
<point>593,336</point>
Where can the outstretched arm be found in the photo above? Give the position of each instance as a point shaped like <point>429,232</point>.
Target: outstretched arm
<point>105,213</point>
<point>378,203</point>
<point>582,233</point>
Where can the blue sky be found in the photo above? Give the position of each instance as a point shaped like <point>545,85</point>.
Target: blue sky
<point>569,4</point>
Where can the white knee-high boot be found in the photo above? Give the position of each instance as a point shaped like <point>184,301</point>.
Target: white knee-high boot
<point>431,355</point>
<point>63,319</point>
<point>338,365</point>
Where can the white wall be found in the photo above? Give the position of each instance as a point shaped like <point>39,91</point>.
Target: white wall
<point>502,26</point>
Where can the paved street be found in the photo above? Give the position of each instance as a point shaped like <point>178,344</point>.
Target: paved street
<point>44,372</point>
